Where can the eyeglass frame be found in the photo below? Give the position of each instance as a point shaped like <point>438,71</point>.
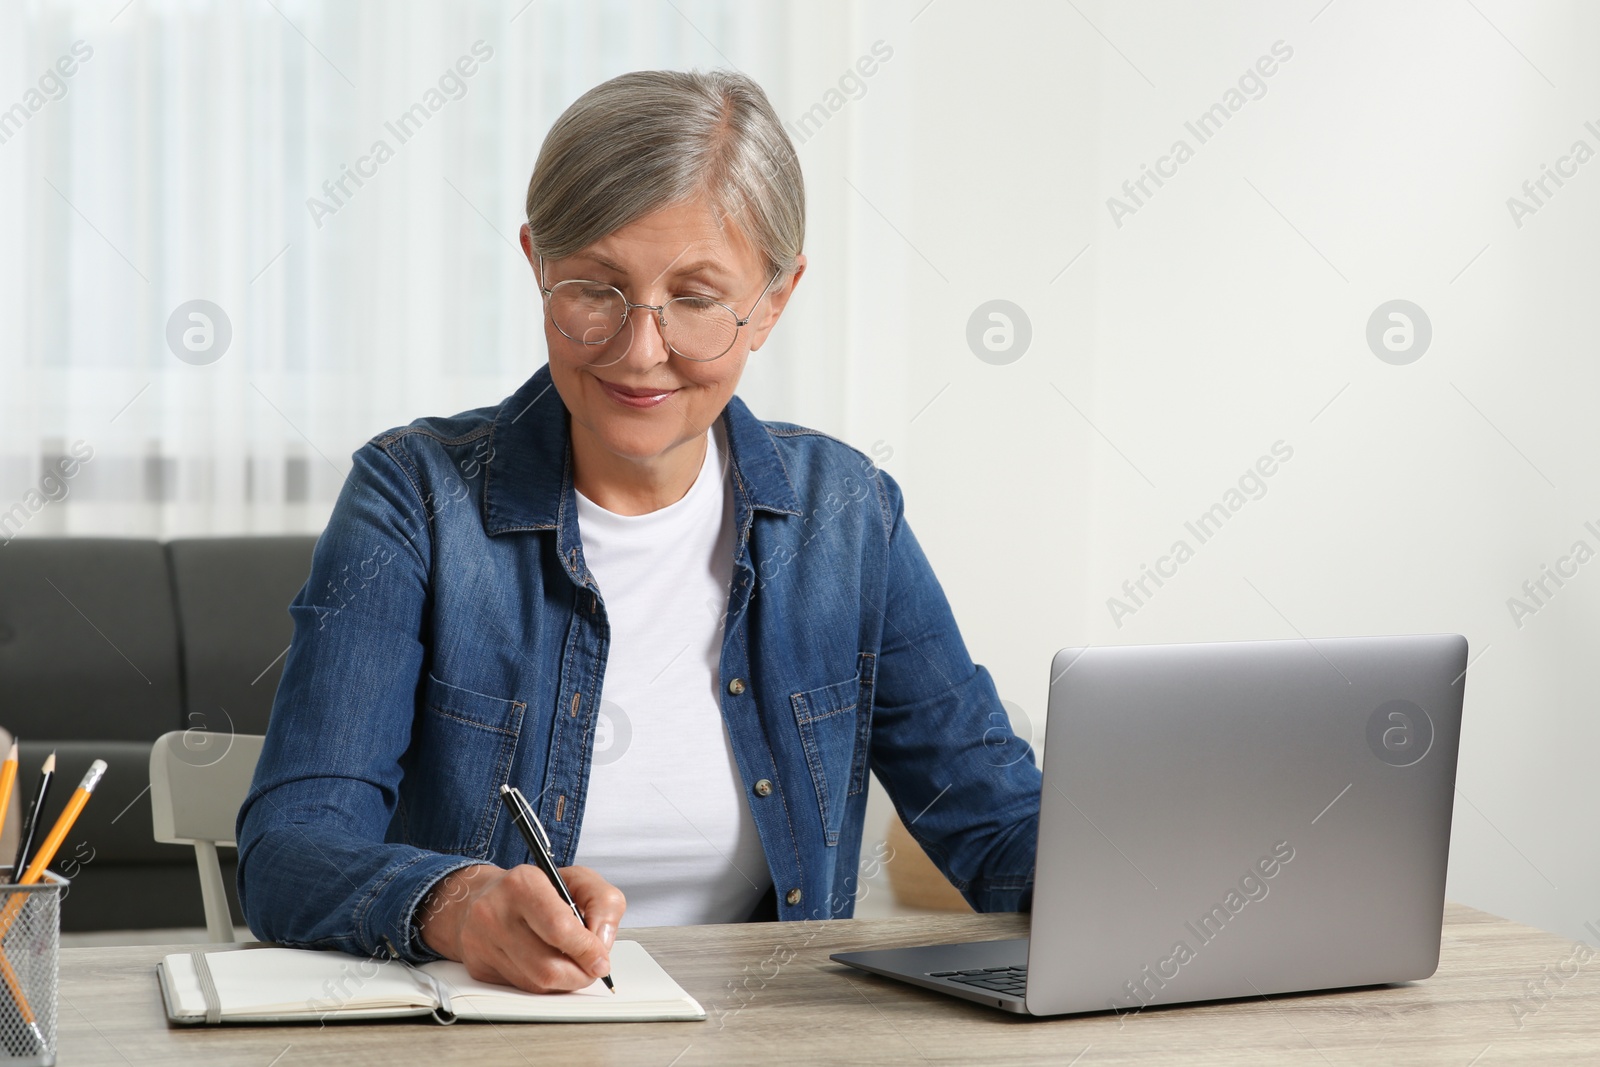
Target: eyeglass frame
<point>739,322</point>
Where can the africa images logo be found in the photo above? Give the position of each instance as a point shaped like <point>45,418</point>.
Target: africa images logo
<point>1400,733</point>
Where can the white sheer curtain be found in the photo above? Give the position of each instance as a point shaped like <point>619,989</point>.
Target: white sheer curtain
<point>190,156</point>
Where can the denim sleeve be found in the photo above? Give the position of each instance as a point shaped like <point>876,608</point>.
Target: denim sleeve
<point>314,868</point>
<point>966,787</point>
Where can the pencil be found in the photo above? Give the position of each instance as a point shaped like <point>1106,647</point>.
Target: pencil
<point>23,1007</point>
<point>69,815</point>
<point>30,821</point>
<point>47,851</point>
<point>8,778</point>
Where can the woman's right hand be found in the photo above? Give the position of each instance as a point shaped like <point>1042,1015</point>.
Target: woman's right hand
<point>512,927</point>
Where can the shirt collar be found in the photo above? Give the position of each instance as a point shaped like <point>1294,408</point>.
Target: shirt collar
<point>528,475</point>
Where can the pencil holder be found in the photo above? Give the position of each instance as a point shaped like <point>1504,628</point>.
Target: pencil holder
<point>30,949</point>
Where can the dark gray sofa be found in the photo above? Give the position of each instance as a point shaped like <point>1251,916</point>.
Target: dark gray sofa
<point>106,644</point>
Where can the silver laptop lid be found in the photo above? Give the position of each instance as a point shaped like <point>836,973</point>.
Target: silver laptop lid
<point>1227,820</point>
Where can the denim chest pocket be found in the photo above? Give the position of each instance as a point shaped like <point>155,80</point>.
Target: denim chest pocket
<point>462,745</point>
<point>833,721</point>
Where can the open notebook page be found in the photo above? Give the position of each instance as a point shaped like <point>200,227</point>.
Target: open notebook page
<point>644,991</point>
<point>285,982</point>
<point>268,982</point>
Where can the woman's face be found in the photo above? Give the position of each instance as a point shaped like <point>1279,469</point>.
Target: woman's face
<point>632,396</point>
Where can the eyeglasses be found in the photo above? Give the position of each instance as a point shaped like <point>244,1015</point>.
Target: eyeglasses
<point>592,313</point>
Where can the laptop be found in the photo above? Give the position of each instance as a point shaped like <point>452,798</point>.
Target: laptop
<point>1227,820</point>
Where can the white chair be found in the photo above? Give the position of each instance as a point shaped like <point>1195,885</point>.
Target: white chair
<point>198,780</point>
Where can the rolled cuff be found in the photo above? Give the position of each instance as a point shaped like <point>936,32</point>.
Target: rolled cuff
<point>385,920</point>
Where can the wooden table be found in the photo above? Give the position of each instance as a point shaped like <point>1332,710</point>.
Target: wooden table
<point>776,1000</point>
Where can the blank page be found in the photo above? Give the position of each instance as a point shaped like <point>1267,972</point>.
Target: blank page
<point>294,981</point>
<point>645,993</point>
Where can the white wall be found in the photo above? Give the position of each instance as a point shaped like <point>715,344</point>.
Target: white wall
<point>1225,315</point>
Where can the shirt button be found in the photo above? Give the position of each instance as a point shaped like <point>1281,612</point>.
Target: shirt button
<point>763,788</point>
<point>736,686</point>
<point>793,896</point>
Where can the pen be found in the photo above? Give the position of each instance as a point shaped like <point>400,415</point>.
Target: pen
<point>30,821</point>
<point>523,817</point>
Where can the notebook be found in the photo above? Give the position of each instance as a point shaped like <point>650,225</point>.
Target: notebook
<point>294,985</point>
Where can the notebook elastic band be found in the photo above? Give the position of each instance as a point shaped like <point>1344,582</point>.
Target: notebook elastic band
<point>208,988</point>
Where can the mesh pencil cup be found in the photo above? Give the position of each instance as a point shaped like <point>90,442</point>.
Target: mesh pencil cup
<point>30,948</point>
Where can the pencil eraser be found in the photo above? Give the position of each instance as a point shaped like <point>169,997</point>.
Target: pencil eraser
<point>92,779</point>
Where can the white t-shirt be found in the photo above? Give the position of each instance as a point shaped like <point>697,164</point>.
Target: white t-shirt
<point>666,819</point>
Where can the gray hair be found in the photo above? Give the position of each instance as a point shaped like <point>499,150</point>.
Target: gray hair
<point>652,138</point>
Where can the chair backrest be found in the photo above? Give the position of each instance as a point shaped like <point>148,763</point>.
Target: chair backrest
<point>198,780</point>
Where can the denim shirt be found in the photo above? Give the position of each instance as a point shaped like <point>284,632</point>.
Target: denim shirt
<point>450,638</point>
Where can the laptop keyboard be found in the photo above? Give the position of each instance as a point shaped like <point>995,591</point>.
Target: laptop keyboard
<point>1012,980</point>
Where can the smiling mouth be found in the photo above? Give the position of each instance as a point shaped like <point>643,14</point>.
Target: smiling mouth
<point>640,393</point>
<point>635,398</point>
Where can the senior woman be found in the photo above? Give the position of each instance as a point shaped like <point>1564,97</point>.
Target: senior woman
<point>621,548</point>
